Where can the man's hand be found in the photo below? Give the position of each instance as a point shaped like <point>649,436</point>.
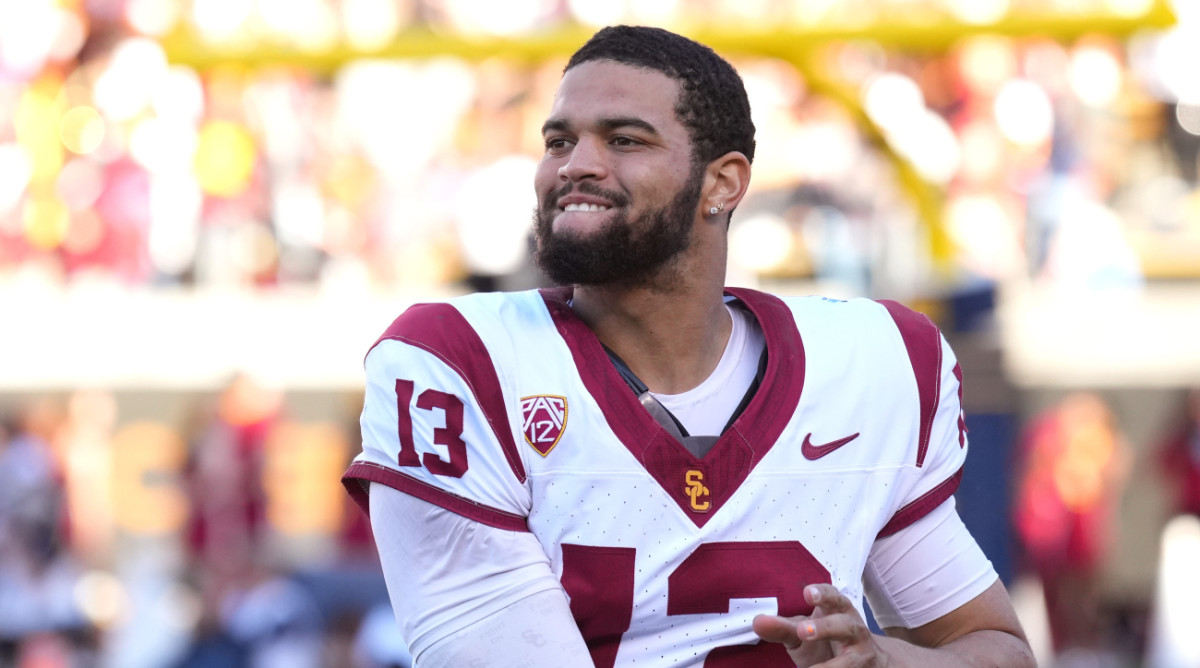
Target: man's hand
<point>835,629</point>
<point>984,631</point>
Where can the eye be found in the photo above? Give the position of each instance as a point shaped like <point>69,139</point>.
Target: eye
<point>624,141</point>
<point>557,145</point>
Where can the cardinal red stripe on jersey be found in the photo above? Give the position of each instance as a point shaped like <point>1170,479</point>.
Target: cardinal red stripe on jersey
<point>962,421</point>
<point>360,474</point>
<point>924,344</point>
<point>922,505</point>
<point>777,396</point>
<point>441,330</point>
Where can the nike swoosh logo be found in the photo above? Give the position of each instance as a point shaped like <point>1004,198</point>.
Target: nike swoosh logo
<point>814,452</point>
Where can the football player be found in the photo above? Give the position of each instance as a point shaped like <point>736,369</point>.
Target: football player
<point>646,468</point>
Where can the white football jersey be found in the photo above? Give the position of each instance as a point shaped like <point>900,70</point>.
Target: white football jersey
<point>504,408</point>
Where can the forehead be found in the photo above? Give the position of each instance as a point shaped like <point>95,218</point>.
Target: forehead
<point>606,89</point>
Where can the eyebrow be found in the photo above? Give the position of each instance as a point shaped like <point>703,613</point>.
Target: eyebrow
<point>613,123</point>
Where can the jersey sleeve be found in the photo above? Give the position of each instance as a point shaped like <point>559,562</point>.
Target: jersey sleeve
<point>451,580</point>
<point>925,570</point>
<point>436,423</point>
<point>936,466</point>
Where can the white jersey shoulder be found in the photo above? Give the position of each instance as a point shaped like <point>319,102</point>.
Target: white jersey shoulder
<point>441,419</point>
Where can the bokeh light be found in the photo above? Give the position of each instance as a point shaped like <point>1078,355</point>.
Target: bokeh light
<point>309,24</point>
<point>85,233</point>
<point>79,184</point>
<point>179,95</point>
<point>373,24</point>
<point>1188,116</point>
<point>1024,113</point>
<point>102,598</point>
<point>761,243</point>
<point>175,206</point>
<point>980,12</point>
<point>654,12</point>
<point>31,33</point>
<point>493,18</point>
<point>36,126</point>
<point>1095,75</point>
<point>153,17</point>
<point>932,146</point>
<point>893,101</point>
<point>597,12</point>
<point>126,85</point>
<point>15,171</point>
<point>1172,640</point>
<point>221,20</point>
<point>162,145</point>
<point>69,34</point>
<point>496,244</point>
<point>224,158</point>
<point>47,220</point>
<point>82,130</point>
<point>987,63</point>
<point>1129,8</point>
<point>985,234</point>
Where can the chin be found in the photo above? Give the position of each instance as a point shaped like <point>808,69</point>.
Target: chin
<point>574,224</point>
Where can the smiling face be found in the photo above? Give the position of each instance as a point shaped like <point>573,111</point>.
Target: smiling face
<point>618,193</point>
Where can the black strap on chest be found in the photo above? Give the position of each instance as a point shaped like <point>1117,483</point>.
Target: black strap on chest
<point>697,445</point>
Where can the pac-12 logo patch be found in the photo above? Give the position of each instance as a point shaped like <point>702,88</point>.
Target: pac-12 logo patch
<point>545,420</point>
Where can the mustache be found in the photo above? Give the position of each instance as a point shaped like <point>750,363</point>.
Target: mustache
<point>617,198</point>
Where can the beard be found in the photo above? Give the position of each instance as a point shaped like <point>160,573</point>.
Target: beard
<point>622,253</point>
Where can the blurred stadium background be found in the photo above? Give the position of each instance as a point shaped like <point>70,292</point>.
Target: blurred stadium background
<point>209,209</point>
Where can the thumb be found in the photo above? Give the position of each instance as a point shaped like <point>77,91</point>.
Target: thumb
<point>783,630</point>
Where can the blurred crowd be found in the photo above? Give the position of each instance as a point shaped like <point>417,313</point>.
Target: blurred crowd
<point>1068,159</point>
<point>224,539</point>
<point>221,536</point>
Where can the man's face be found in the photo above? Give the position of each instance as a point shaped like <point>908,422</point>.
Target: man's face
<point>617,194</point>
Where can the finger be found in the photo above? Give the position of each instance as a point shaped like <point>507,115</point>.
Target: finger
<point>827,598</point>
<point>782,630</point>
<point>841,628</point>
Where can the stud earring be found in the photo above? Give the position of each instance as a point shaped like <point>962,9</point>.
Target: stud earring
<point>712,210</point>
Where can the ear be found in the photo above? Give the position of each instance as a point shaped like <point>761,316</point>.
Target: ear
<point>725,182</point>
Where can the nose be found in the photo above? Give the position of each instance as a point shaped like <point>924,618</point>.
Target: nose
<point>587,160</point>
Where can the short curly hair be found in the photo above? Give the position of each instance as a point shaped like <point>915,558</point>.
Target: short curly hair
<point>712,100</point>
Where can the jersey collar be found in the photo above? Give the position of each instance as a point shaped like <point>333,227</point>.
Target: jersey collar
<point>744,443</point>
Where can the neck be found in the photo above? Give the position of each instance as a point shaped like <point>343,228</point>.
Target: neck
<point>671,334</point>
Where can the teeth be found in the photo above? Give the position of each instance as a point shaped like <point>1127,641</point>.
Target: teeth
<point>585,207</point>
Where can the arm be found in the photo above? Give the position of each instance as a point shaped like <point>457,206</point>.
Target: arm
<point>983,632</point>
<point>931,577</point>
<point>536,631</point>
<point>466,594</point>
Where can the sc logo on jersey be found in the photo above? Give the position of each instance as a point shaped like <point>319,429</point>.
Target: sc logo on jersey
<point>545,419</point>
<point>695,490</point>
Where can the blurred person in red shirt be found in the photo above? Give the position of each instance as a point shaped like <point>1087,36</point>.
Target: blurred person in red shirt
<point>1072,462</point>
<point>227,522</point>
